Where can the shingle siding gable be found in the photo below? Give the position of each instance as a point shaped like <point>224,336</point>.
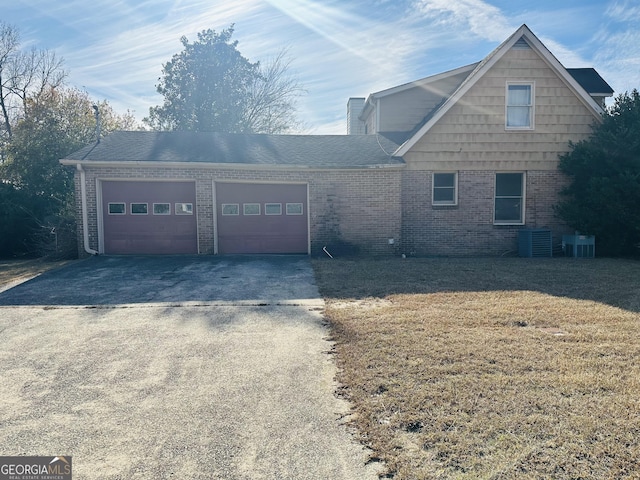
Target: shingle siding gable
<point>473,130</point>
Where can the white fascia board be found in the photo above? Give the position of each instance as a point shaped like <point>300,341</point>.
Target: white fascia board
<point>224,166</point>
<point>425,81</point>
<point>571,82</point>
<point>368,105</point>
<point>488,63</point>
<point>370,101</point>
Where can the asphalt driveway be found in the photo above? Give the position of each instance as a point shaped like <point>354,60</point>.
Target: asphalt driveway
<point>104,280</point>
<point>175,368</point>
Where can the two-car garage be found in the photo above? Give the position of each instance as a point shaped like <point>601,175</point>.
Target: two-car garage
<point>178,192</point>
<point>162,217</point>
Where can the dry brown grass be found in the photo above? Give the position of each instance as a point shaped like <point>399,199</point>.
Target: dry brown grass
<point>13,271</point>
<point>491,368</point>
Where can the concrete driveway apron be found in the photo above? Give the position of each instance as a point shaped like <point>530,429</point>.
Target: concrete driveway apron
<point>175,368</point>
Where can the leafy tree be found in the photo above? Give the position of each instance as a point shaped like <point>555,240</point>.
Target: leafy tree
<point>209,86</point>
<point>37,190</point>
<point>603,196</point>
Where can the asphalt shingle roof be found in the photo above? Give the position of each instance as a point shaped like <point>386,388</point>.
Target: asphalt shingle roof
<point>590,80</point>
<point>326,151</point>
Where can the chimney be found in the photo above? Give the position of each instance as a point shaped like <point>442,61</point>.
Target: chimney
<point>355,126</point>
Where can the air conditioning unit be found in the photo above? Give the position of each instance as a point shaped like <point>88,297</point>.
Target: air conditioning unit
<point>535,243</point>
<point>579,246</point>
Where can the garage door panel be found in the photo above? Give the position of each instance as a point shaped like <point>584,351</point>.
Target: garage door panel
<point>149,233</point>
<point>262,233</point>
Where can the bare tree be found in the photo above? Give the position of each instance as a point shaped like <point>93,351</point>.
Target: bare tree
<point>34,72</point>
<point>9,44</point>
<point>273,94</point>
<point>23,74</point>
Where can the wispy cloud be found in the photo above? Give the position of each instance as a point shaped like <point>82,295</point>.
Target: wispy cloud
<point>624,11</point>
<point>115,48</point>
<point>475,16</point>
<point>619,58</point>
<point>375,42</point>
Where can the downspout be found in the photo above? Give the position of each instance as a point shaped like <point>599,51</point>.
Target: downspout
<point>85,216</point>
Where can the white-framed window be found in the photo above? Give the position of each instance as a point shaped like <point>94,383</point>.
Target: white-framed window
<point>509,199</point>
<point>162,209</point>
<point>520,106</point>
<point>230,209</point>
<point>251,209</point>
<point>294,209</point>
<point>183,208</point>
<point>139,208</point>
<point>445,188</point>
<point>273,209</point>
<point>117,208</point>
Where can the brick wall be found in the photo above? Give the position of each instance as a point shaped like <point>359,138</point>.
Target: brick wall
<point>467,229</point>
<point>356,207</point>
<point>366,208</point>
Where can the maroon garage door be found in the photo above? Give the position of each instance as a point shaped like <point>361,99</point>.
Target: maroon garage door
<point>262,218</point>
<point>149,217</point>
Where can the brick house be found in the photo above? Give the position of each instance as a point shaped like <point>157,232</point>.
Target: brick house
<point>453,164</point>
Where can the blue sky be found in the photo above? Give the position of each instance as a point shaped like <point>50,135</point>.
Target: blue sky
<point>114,49</point>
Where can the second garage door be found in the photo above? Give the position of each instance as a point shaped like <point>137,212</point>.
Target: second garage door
<point>262,218</point>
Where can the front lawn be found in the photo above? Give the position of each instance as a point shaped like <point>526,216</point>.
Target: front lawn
<point>490,368</point>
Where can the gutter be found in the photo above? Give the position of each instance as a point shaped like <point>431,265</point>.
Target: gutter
<point>225,166</point>
<point>85,216</point>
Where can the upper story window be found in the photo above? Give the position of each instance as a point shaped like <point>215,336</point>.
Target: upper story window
<point>445,189</point>
<point>519,115</point>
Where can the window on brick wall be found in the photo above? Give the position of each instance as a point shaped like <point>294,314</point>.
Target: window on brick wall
<point>445,188</point>
<point>509,199</point>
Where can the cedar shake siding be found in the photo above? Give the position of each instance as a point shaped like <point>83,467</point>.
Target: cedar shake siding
<point>471,139</point>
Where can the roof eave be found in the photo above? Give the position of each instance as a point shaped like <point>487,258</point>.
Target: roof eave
<point>369,103</point>
<point>425,81</point>
<point>221,166</point>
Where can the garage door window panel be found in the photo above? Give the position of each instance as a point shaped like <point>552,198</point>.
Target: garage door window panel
<point>139,208</point>
<point>117,208</point>
<point>162,209</point>
<point>273,209</point>
<point>294,209</point>
<point>251,209</point>
<point>230,209</point>
<point>184,208</point>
